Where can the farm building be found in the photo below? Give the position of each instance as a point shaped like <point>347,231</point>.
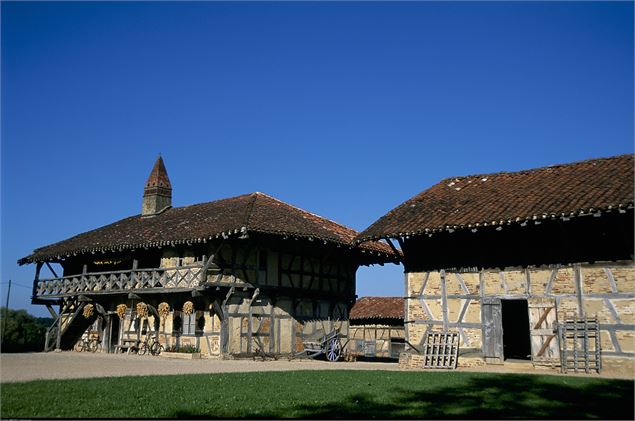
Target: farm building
<point>533,265</point>
<point>244,275</point>
<point>376,327</point>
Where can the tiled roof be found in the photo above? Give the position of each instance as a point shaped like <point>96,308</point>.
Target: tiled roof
<point>556,191</point>
<point>255,212</point>
<point>378,308</point>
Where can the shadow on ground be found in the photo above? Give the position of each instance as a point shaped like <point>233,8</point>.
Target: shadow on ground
<point>506,396</point>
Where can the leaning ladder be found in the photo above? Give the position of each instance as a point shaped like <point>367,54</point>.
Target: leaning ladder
<point>580,344</point>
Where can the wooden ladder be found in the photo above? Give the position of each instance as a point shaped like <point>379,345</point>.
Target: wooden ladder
<point>580,344</point>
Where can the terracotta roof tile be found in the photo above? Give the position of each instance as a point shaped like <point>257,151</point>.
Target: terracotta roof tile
<point>511,197</point>
<point>378,308</point>
<point>255,212</point>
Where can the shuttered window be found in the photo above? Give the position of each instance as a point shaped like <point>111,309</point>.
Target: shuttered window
<point>189,324</point>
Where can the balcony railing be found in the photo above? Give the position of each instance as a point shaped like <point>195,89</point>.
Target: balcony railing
<point>122,280</point>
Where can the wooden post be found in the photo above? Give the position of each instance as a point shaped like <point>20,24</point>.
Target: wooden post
<point>133,274</point>
<point>249,326</point>
<point>6,313</point>
<point>577,279</point>
<point>444,301</point>
<point>108,335</point>
<point>38,268</point>
<point>224,333</point>
<point>58,343</point>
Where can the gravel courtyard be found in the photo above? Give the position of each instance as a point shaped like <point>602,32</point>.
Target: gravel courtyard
<point>69,364</point>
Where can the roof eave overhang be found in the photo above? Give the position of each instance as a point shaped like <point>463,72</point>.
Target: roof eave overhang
<point>536,219</point>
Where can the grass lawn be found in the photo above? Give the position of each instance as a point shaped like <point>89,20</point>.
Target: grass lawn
<point>323,394</point>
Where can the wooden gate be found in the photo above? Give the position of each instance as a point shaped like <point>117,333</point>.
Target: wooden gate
<point>543,327</point>
<point>491,314</point>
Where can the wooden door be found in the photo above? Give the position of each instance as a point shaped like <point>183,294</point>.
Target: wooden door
<point>543,325</point>
<point>491,315</point>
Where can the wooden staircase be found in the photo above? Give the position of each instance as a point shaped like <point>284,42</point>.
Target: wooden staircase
<point>73,325</point>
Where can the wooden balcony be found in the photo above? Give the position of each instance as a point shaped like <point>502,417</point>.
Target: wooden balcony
<point>184,277</point>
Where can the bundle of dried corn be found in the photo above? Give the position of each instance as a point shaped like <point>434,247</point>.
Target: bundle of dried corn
<point>89,310</point>
<point>142,310</point>
<point>164,310</point>
<point>188,307</point>
<point>121,311</point>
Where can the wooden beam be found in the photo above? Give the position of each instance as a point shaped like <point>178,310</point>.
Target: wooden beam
<point>444,300</point>
<point>52,311</point>
<point>577,279</point>
<point>51,269</point>
<point>394,249</point>
<point>38,268</point>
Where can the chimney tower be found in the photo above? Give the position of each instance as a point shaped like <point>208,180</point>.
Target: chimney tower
<point>157,194</point>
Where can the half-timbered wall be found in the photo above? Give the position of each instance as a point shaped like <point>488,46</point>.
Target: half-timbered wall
<point>376,340</point>
<point>256,299</point>
<point>469,303</point>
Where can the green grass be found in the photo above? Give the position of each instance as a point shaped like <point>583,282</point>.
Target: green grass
<point>323,394</point>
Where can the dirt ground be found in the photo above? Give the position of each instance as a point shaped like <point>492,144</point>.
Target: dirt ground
<point>69,364</point>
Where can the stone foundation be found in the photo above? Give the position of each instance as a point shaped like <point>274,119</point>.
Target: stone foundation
<point>408,361</point>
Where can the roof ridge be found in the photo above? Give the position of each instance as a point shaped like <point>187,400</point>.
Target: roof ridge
<point>250,211</point>
<point>208,202</point>
<point>532,170</point>
<point>307,212</point>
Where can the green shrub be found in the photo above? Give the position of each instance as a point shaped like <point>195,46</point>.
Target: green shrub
<point>24,332</point>
<point>185,349</point>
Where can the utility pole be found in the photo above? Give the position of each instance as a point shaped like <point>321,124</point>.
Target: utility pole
<point>6,313</point>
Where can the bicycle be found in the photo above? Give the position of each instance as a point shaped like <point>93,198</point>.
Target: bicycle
<point>151,345</point>
<point>88,345</point>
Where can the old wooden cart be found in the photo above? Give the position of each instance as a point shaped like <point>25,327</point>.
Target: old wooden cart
<point>327,344</point>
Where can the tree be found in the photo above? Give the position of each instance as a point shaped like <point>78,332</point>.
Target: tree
<point>24,332</point>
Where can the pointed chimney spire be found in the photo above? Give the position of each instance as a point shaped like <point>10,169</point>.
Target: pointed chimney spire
<point>157,194</point>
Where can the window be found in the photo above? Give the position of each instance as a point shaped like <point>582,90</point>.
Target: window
<point>369,349</point>
<point>397,345</point>
<point>189,324</point>
<point>359,345</point>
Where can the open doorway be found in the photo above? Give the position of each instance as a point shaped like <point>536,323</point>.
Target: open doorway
<point>114,332</point>
<point>516,336</point>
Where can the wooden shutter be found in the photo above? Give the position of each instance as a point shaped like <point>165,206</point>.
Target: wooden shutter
<point>491,314</point>
<point>543,330</point>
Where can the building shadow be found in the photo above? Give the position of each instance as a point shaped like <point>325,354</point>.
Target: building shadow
<point>489,397</point>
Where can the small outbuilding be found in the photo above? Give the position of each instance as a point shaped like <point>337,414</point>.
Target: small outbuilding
<point>376,327</point>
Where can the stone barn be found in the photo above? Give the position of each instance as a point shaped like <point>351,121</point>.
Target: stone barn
<point>245,275</point>
<point>534,265</point>
<point>376,328</point>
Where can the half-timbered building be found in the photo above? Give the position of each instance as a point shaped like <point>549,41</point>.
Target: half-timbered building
<point>534,265</point>
<point>244,275</point>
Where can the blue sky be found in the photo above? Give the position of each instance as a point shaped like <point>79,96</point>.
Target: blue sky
<point>343,109</point>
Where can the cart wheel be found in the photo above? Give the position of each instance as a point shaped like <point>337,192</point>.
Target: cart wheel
<point>334,350</point>
<point>78,346</point>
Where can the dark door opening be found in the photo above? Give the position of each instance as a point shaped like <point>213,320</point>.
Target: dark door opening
<point>516,337</point>
<point>114,332</point>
